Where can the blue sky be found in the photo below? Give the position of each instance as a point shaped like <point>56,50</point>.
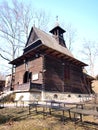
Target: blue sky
<point>81,14</point>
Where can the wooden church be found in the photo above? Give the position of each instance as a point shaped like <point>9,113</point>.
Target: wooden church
<point>47,65</point>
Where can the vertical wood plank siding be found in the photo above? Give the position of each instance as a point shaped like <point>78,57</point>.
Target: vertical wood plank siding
<point>57,76</point>
<point>63,77</point>
<point>53,75</point>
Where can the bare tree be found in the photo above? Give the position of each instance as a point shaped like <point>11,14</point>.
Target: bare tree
<point>42,19</point>
<point>11,29</point>
<point>16,20</point>
<point>90,51</point>
<point>70,36</point>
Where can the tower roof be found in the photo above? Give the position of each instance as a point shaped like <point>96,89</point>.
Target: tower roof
<point>57,27</point>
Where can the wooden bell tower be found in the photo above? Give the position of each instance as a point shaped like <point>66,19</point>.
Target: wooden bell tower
<point>57,32</point>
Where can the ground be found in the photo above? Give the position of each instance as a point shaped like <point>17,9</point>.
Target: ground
<point>19,119</point>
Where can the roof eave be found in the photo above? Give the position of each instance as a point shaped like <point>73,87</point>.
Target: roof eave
<point>25,55</point>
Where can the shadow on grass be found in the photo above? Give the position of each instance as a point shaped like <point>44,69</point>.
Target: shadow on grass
<point>4,118</point>
<point>89,125</point>
<point>19,114</point>
<point>86,125</point>
<point>13,114</point>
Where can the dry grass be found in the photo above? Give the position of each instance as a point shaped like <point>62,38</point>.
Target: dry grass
<point>19,119</point>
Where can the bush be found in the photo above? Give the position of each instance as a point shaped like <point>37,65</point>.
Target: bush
<point>9,98</point>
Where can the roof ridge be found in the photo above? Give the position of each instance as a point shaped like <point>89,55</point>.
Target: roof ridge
<point>45,38</point>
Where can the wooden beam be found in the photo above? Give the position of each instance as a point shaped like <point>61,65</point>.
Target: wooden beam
<point>49,51</point>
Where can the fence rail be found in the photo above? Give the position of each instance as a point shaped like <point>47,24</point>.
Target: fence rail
<point>25,87</point>
<point>28,86</point>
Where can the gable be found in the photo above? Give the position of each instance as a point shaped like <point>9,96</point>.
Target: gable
<point>50,41</point>
<point>32,37</point>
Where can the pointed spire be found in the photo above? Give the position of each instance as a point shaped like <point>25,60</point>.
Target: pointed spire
<point>57,23</point>
<point>34,23</point>
<point>56,18</point>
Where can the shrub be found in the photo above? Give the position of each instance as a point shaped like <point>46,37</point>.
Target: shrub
<point>9,98</point>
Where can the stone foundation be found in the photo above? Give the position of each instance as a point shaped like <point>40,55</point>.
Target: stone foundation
<point>67,97</point>
<point>26,96</point>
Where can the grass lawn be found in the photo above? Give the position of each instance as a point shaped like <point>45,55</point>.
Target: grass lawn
<point>19,119</point>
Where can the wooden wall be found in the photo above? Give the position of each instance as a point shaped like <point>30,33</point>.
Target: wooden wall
<point>58,76</point>
<point>33,66</point>
<point>53,75</point>
<point>76,80</point>
<point>63,76</point>
<point>19,72</point>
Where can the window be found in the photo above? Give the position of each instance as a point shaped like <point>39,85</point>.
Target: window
<point>26,77</point>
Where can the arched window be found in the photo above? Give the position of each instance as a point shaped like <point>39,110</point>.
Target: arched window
<point>26,77</point>
<point>55,96</point>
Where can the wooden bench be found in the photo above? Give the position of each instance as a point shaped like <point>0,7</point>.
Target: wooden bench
<point>82,112</point>
<point>52,106</point>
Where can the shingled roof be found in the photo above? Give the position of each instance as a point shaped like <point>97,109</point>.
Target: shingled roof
<point>40,41</point>
<point>47,40</point>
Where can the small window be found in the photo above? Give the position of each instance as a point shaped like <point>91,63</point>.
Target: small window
<point>55,96</point>
<point>79,96</point>
<point>69,95</point>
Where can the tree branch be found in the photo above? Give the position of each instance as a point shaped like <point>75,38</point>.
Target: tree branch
<point>4,57</point>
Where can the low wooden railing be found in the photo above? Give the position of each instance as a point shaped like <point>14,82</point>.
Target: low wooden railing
<point>24,87</point>
<point>35,86</point>
<point>28,86</point>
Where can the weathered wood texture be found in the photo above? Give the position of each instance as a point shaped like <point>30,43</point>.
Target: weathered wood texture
<point>63,77</point>
<point>57,75</point>
<point>19,72</point>
<point>33,66</point>
<point>53,75</point>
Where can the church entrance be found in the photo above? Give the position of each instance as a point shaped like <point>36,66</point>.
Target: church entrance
<point>26,77</point>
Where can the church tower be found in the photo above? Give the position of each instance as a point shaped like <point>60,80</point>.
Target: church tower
<point>57,32</point>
